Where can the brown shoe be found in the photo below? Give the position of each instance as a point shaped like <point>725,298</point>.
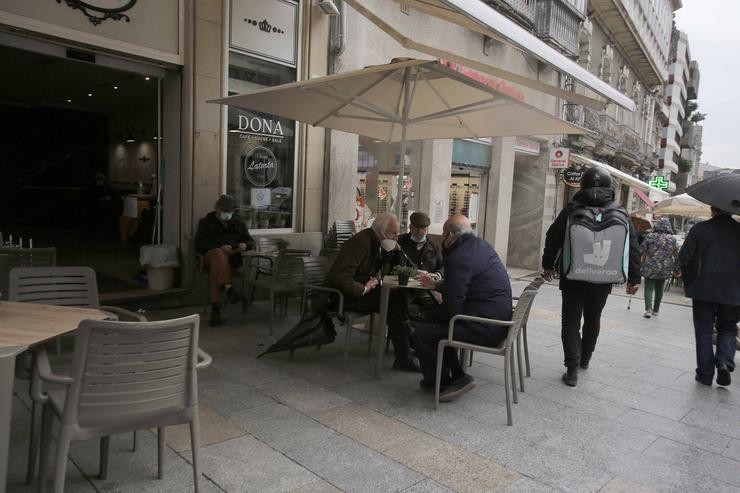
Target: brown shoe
<point>215,315</point>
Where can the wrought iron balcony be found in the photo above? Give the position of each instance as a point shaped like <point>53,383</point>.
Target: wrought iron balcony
<point>557,23</point>
<point>522,11</point>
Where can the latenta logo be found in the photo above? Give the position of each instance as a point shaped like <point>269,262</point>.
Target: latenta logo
<point>600,254</point>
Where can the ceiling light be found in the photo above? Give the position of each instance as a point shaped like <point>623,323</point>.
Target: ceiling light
<point>69,100</point>
<point>146,78</point>
<point>115,88</point>
<point>130,138</point>
<point>89,94</point>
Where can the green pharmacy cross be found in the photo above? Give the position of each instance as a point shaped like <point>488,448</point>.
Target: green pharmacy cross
<point>659,182</point>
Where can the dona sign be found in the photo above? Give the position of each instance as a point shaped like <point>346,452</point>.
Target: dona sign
<point>259,128</point>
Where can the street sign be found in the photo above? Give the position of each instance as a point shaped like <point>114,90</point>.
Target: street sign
<point>659,182</point>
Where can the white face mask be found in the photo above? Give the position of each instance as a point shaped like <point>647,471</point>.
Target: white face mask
<point>388,245</point>
<point>224,216</point>
<point>418,239</point>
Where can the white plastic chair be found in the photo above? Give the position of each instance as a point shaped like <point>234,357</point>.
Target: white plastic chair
<point>126,376</point>
<point>504,349</point>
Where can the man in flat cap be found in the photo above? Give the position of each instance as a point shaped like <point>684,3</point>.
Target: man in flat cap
<point>427,258</point>
<point>221,238</point>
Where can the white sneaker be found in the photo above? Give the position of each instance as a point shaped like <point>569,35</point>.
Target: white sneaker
<point>648,314</point>
<point>655,314</point>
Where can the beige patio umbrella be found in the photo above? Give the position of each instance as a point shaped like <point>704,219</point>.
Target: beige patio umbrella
<point>401,101</point>
<point>682,205</point>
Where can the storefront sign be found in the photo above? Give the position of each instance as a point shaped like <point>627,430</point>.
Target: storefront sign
<point>494,82</point>
<point>572,177</point>
<point>99,10</point>
<point>260,166</point>
<point>259,128</point>
<point>527,146</point>
<point>266,29</point>
<point>659,182</point>
<point>559,157</point>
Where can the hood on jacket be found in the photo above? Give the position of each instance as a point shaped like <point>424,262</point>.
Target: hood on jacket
<point>595,197</point>
<point>662,225</point>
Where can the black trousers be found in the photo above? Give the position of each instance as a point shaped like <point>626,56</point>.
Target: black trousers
<point>428,336</point>
<point>398,327</point>
<point>586,302</point>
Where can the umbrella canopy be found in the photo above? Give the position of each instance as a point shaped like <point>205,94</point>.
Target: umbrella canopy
<point>682,205</point>
<point>401,101</point>
<point>721,191</point>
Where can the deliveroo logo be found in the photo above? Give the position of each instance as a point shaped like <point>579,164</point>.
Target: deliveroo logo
<point>600,254</point>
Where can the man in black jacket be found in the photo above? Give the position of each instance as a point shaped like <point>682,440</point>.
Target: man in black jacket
<point>710,267</point>
<point>221,239</point>
<point>580,298</point>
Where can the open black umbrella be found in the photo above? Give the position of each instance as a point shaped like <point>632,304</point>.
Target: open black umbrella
<point>721,191</point>
<point>314,329</point>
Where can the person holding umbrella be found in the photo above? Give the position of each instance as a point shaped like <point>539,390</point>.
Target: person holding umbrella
<point>710,263</point>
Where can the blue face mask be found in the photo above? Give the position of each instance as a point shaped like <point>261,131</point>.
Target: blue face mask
<point>224,216</point>
<point>417,239</point>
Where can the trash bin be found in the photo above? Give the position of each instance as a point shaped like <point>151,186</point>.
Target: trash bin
<point>160,262</point>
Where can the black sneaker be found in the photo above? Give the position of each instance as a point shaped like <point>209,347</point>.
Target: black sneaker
<point>571,376</point>
<point>406,364</point>
<point>703,380</point>
<point>215,316</point>
<point>585,360</point>
<point>429,384</point>
<point>723,375</point>
<point>457,388</point>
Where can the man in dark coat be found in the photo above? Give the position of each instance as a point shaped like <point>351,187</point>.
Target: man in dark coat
<point>357,272</point>
<point>221,239</point>
<point>710,267</point>
<point>580,298</point>
<point>425,256</point>
<point>475,283</point>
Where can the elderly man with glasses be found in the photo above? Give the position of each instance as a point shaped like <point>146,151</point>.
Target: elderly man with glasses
<point>475,283</point>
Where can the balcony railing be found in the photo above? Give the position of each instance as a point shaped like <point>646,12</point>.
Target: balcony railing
<point>558,23</point>
<point>524,11</point>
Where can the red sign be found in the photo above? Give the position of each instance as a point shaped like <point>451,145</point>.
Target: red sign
<point>559,157</point>
<point>500,85</point>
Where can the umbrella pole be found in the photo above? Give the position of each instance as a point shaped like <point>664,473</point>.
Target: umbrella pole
<point>402,161</point>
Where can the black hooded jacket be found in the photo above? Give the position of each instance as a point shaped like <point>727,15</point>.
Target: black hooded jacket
<point>592,197</point>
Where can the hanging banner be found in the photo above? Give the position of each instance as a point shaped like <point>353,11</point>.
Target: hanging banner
<point>572,177</point>
<point>559,157</point>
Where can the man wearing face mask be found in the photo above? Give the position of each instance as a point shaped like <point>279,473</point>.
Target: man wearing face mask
<point>475,283</point>
<point>357,272</point>
<point>427,258</point>
<point>221,238</point>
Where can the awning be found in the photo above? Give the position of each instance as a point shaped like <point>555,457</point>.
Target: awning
<point>635,183</point>
<point>500,27</point>
<point>437,9</point>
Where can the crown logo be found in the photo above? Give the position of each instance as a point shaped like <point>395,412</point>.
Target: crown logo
<point>265,26</point>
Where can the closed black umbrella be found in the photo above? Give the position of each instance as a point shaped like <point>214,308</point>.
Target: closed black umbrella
<point>314,329</point>
<point>721,191</point>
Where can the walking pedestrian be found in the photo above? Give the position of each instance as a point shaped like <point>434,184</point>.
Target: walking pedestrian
<point>710,263</point>
<point>599,263</point>
<point>659,252</point>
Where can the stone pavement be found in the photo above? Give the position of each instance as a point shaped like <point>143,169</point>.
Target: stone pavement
<point>637,421</point>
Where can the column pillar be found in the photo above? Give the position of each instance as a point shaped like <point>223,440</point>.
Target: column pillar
<point>498,204</point>
<point>434,182</point>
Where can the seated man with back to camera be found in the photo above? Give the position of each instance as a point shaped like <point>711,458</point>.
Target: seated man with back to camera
<point>357,272</point>
<point>221,238</point>
<point>427,258</point>
<point>475,283</point>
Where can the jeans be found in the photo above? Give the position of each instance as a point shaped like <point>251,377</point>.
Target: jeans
<point>586,302</point>
<point>706,316</point>
<point>428,336</point>
<point>651,284</point>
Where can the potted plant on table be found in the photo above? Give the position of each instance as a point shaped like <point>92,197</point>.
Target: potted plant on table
<point>404,273</point>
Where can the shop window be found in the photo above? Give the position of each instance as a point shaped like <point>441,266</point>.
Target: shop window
<point>260,159</point>
<point>377,178</point>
